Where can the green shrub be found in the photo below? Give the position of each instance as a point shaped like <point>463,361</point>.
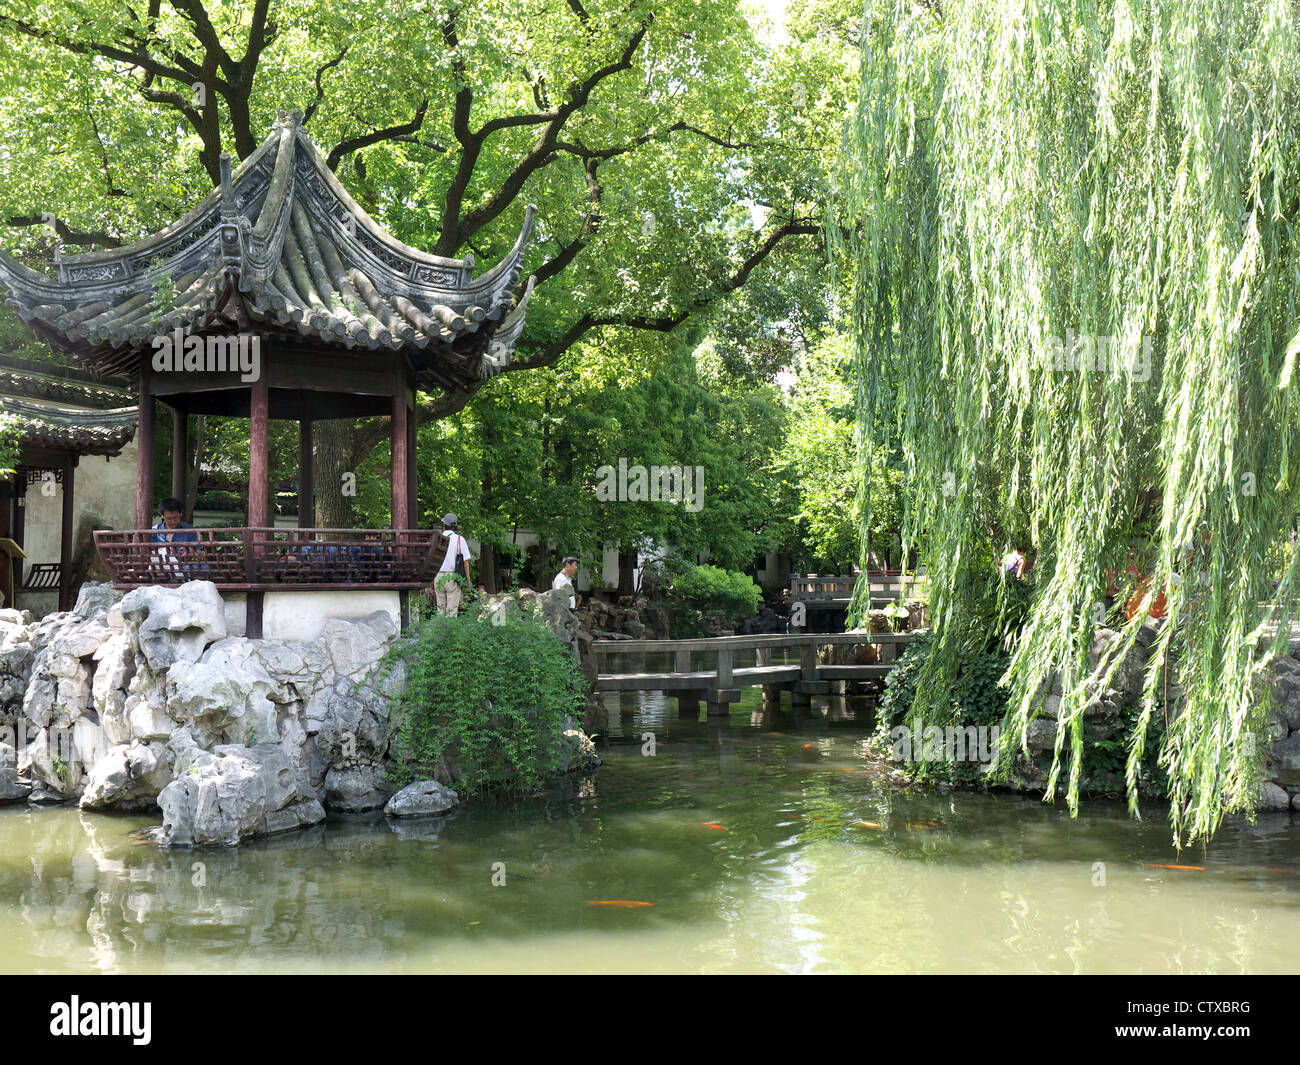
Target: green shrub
<point>219,500</point>
<point>979,700</point>
<point>704,595</point>
<point>491,697</point>
<point>977,697</point>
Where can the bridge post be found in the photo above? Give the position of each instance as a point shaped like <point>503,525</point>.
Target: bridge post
<point>688,705</point>
<point>719,699</point>
<point>808,661</point>
<point>725,667</point>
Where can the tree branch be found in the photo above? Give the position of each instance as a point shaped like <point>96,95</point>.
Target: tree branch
<point>79,237</point>
<point>545,146</point>
<point>206,33</point>
<point>375,136</point>
<point>550,352</point>
<point>320,89</point>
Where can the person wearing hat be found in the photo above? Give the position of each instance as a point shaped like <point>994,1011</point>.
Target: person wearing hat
<point>447,589</point>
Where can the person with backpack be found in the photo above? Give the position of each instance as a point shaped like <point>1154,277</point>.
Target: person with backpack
<point>446,586</point>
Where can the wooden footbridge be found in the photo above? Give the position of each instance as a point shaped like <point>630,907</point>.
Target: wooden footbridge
<point>718,684</point>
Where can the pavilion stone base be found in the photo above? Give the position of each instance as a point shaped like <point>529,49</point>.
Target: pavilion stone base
<point>302,615</point>
<point>39,603</point>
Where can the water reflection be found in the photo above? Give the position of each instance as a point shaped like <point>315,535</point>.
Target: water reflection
<point>765,843</point>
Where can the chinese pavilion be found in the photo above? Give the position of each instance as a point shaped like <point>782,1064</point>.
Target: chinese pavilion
<point>290,302</point>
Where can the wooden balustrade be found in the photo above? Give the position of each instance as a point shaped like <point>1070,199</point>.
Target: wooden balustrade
<point>265,559</point>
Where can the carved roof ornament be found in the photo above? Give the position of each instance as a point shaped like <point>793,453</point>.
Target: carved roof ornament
<point>282,238</point>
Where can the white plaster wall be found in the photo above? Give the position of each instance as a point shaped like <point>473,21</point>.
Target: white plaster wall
<point>302,615</point>
<point>234,606</point>
<point>102,487</point>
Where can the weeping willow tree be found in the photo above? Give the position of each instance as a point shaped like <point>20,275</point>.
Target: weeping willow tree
<point>1072,229</point>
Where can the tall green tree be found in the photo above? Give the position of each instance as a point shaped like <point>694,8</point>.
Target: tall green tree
<point>1074,236</point>
<point>641,131</point>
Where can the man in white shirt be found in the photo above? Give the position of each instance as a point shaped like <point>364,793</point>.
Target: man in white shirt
<point>446,589</point>
<point>565,576</point>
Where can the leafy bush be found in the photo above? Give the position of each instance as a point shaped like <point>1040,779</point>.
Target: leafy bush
<point>219,500</point>
<point>491,697</point>
<point>979,700</point>
<point>705,596</point>
<point>977,697</point>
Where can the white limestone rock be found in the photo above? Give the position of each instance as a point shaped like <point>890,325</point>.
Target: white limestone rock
<point>421,799</point>
<point>232,793</point>
<point>223,702</point>
<point>354,646</point>
<point>12,789</point>
<point>95,598</point>
<point>1271,797</point>
<point>356,788</point>
<point>174,624</point>
<point>128,777</point>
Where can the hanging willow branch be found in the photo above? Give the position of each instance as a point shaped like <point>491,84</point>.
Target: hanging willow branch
<point>1073,229</point>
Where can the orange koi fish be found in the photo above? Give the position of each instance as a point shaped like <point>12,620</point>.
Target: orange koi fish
<point>867,824</point>
<point>710,824</point>
<point>1181,868</point>
<point>623,904</point>
<point>1285,872</point>
<point>925,824</point>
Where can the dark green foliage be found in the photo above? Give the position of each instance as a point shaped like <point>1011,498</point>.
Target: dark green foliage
<point>219,500</point>
<point>1074,256</point>
<point>706,595</point>
<point>977,698</point>
<point>493,698</point>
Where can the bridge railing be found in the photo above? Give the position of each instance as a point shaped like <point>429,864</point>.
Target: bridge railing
<point>725,649</point>
<point>884,587</point>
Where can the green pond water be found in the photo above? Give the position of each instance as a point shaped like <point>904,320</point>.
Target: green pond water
<point>790,882</point>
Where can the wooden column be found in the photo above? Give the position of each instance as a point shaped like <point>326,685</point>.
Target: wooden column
<point>180,451</point>
<point>258,465</point>
<point>65,537</point>
<point>413,472</point>
<point>20,509</point>
<point>259,474</point>
<point>400,511</point>
<point>19,527</point>
<point>306,483</point>
<point>144,454</point>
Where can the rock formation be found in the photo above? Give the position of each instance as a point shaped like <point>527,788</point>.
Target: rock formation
<point>144,701</point>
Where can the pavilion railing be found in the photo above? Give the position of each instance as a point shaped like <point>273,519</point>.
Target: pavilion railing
<point>251,559</point>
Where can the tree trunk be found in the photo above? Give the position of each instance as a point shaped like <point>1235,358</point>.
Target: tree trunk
<point>336,480</point>
<point>626,564</point>
<point>193,460</point>
<point>487,565</point>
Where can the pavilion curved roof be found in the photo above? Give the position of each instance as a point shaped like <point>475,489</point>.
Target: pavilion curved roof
<point>85,432</point>
<point>280,247</point>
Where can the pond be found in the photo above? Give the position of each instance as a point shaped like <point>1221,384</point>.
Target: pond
<point>760,843</point>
